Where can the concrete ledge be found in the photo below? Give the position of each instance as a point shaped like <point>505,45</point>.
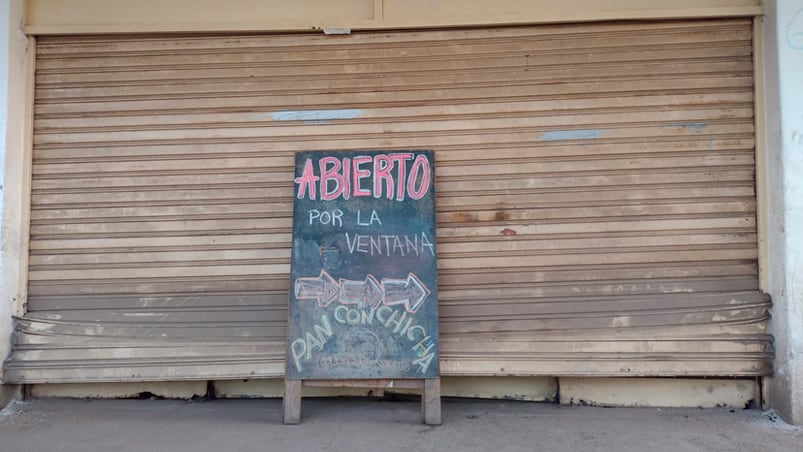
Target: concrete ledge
<point>658,392</point>
<point>510,388</point>
<point>9,393</point>
<point>166,389</point>
<point>624,392</point>
<point>274,388</point>
<point>536,389</point>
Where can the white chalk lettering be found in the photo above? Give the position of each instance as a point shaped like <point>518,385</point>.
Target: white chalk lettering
<point>397,321</point>
<point>303,347</point>
<point>373,219</point>
<point>423,362</point>
<point>380,313</point>
<point>390,245</point>
<point>419,328</point>
<point>344,315</point>
<point>425,355</point>
<point>334,217</point>
<point>358,243</point>
<point>298,349</point>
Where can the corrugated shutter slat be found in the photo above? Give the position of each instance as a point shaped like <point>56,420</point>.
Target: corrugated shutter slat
<point>596,196</point>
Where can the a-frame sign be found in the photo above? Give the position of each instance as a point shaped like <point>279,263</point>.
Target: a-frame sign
<point>363,280</point>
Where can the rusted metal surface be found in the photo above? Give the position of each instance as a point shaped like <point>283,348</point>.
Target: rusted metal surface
<point>596,202</point>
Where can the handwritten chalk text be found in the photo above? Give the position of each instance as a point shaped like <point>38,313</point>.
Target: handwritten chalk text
<point>390,245</point>
<point>381,176</point>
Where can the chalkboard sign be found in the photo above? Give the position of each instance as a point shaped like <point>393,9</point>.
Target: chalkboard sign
<point>363,295</point>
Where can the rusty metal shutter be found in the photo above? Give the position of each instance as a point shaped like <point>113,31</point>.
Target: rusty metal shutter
<point>596,209</point>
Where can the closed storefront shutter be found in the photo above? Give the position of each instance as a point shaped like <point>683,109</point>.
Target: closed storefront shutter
<point>596,196</point>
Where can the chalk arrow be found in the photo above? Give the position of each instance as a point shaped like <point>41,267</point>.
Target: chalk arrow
<point>366,293</point>
<point>410,292</point>
<point>324,289</point>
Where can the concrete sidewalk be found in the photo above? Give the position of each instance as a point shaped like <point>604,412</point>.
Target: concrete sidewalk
<point>357,425</point>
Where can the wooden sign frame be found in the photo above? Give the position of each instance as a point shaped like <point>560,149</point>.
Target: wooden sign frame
<point>363,298</point>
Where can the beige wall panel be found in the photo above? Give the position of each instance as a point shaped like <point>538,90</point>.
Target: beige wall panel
<point>180,15</point>
<point>643,392</point>
<point>166,389</point>
<point>512,388</point>
<point>109,16</point>
<point>579,10</point>
<point>659,392</point>
<point>274,387</point>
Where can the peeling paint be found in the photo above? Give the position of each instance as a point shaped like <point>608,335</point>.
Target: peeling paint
<point>656,392</point>
<point>687,126</point>
<point>797,138</point>
<point>559,135</point>
<point>315,116</point>
<point>622,321</point>
<point>39,327</point>
<point>794,31</point>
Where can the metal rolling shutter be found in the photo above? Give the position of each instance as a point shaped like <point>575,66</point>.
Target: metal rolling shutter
<point>596,210</point>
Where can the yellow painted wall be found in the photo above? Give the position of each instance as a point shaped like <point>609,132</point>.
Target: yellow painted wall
<point>132,16</point>
<point>659,392</point>
<point>512,388</point>
<point>632,392</point>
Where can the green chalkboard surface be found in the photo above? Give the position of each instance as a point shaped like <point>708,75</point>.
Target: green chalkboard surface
<point>363,278</point>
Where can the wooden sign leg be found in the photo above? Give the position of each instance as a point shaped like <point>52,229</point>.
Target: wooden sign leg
<point>291,403</point>
<point>431,401</point>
